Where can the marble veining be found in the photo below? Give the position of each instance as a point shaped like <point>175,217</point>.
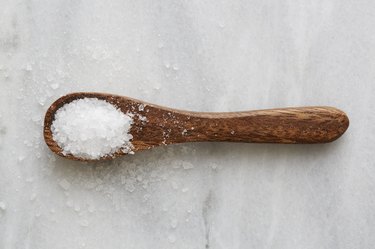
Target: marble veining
<point>196,55</point>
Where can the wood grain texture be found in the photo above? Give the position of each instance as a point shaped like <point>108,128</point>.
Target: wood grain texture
<point>156,125</point>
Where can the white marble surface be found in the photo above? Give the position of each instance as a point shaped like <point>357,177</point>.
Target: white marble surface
<point>211,55</point>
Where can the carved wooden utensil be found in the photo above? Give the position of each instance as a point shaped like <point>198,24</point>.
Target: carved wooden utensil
<point>163,126</point>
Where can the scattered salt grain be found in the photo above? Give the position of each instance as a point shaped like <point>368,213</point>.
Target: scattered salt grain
<point>42,101</point>
<point>69,203</point>
<point>21,158</point>
<point>64,184</point>
<point>29,179</point>
<point>187,165</point>
<point>139,178</point>
<point>32,197</point>
<point>29,67</point>
<point>129,187</point>
<point>84,223</point>
<point>3,206</point>
<point>91,209</point>
<point>172,238</point>
<point>174,223</point>
<point>77,208</point>
<point>90,128</point>
<point>214,166</point>
<point>54,86</point>
<point>174,185</point>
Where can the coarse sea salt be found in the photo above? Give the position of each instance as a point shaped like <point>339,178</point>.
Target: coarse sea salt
<point>91,128</point>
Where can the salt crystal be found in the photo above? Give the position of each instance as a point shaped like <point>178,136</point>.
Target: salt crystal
<point>3,206</point>
<point>91,209</point>
<point>129,187</point>
<point>36,118</point>
<point>172,238</point>
<point>174,223</point>
<point>69,203</point>
<point>90,128</point>
<point>77,208</point>
<point>42,101</point>
<point>29,179</point>
<point>32,197</point>
<point>54,86</point>
<point>84,223</point>
<point>64,184</point>
<point>184,190</point>
<point>187,165</point>
<point>141,107</point>
<point>142,118</point>
<point>146,197</point>
<point>174,185</point>
<point>123,179</point>
<point>29,67</point>
<point>145,185</point>
<point>27,143</point>
<point>214,166</point>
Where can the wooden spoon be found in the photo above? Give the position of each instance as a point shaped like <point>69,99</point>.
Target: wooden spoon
<point>163,126</point>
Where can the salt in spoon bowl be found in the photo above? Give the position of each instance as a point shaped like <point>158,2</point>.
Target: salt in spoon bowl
<point>154,125</point>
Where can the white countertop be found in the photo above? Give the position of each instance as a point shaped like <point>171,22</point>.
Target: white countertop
<point>197,55</point>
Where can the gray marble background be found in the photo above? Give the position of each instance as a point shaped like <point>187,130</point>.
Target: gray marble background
<point>227,55</point>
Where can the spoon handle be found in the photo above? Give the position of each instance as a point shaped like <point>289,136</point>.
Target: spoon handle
<point>286,125</point>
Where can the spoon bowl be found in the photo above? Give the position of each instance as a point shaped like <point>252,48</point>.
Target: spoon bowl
<point>155,125</point>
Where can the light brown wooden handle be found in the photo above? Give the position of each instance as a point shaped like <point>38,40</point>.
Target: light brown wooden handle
<point>287,125</point>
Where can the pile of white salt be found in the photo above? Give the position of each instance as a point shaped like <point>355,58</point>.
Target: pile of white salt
<point>90,128</point>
